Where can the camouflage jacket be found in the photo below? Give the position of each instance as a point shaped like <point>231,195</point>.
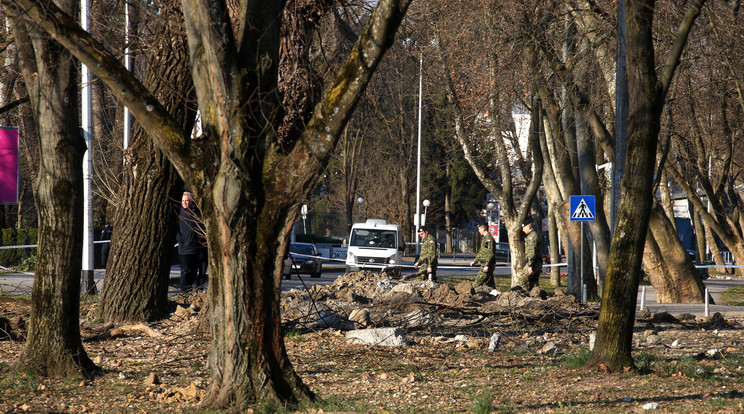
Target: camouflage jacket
<point>533,250</point>
<point>428,252</point>
<point>487,250</point>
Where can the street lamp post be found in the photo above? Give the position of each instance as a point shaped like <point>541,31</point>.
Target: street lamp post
<point>418,156</point>
<point>420,221</point>
<point>359,201</point>
<point>489,208</point>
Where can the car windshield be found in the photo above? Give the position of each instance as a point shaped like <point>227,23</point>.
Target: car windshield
<point>301,249</point>
<point>374,238</point>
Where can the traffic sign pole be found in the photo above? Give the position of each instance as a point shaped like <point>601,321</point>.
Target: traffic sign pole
<point>583,208</point>
<point>582,286</point>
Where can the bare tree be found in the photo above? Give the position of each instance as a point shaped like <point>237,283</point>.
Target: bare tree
<point>249,179</point>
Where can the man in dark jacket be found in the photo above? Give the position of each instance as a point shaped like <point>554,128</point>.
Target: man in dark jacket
<point>190,239</point>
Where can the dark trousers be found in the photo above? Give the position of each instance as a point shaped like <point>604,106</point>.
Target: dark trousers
<point>105,253</point>
<point>189,268</point>
<point>201,277</point>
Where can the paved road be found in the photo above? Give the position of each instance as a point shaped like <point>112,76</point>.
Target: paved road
<point>21,284</point>
<point>715,287</point>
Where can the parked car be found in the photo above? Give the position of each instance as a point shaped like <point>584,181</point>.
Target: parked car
<point>303,258</point>
<point>502,253</point>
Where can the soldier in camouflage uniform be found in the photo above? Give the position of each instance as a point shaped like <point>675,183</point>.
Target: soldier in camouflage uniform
<point>486,257</point>
<point>428,257</point>
<point>529,276</point>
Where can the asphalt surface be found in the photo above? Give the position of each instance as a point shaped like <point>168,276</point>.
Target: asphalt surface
<point>715,286</point>
<point>21,284</point>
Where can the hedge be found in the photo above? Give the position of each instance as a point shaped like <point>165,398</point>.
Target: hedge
<point>14,237</point>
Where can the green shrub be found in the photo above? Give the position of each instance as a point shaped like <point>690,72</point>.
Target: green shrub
<point>28,264</point>
<point>483,403</point>
<point>13,237</point>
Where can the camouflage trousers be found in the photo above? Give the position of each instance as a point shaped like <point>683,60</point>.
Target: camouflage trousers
<point>422,274</point>
<point>525,280</point>
<point>485,278</point>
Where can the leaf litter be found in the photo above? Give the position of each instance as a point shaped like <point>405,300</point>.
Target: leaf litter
<point>687,364</point>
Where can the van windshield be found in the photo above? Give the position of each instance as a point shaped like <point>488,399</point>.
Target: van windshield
<point>374,238</point>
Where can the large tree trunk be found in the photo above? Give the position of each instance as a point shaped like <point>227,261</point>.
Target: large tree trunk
<point>668,265</point>
<point>613,345</point>
<point>53,346</point>
<point>245,290</point>
<point>145,219</point>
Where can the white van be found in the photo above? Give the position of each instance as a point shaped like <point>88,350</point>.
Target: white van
<point>375,245</point>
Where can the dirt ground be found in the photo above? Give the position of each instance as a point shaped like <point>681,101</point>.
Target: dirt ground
<point>688,365</point>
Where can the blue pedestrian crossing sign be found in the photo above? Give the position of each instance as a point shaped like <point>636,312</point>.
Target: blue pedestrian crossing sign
<point>583,208</point>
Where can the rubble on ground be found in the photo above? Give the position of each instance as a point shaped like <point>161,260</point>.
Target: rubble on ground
<point>430,311</point>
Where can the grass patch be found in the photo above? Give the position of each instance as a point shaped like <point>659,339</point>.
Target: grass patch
<point>319,406</point>
<point>18,386</point>
<point>294,334</point>
<point>576,360</point>
<point>24,299</point>
<point>686,366</point>
<point>733,296</point>
<point>483,403</point>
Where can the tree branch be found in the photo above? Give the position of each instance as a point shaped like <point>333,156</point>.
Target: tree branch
<point>13,105</point>
<point>169,136</point>
<point>675,53</point>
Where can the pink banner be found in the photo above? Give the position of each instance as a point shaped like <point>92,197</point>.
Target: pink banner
<point>8,165</point>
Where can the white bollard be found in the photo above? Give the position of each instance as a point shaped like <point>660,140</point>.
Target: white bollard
<point>707,303</point>
<point>583,293</point>
<point>643,298</point>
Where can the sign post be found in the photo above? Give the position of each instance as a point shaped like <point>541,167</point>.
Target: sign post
<point>583,208</point>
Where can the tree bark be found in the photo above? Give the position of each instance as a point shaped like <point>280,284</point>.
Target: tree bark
<point>53,346</point>
<point>145,219</point>
<point>598,227</point>
<point>697,226</point>
<point>668,265</point>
